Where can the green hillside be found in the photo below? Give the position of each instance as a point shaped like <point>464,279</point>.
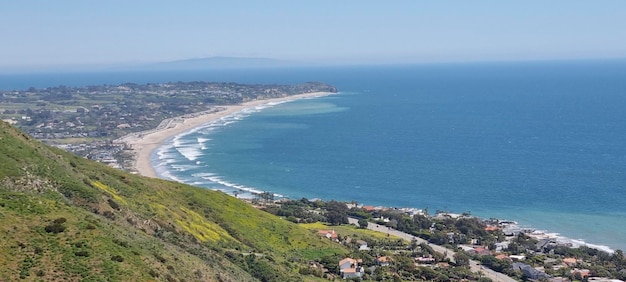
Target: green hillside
<point>64,218</point>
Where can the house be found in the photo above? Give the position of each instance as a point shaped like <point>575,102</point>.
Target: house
<point>368,208</point>
<point>481,251</point>
<point>330,234</point>
<point>529,271</point>
<point>503,257</point>
<point>517,257</point>
<point>502,246</point>
<point>544,245</point>
<point>570,261</point>
<point>362,245</point>
<point>491,228</point>
<point>350,268</point>
<point>582,272</point>
<point>382,261</point>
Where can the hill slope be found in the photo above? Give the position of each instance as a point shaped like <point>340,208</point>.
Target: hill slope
<point>66,218</point>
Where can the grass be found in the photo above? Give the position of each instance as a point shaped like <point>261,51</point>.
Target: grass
<point>123,227</point>
<point>109,191</point>
<point>349,230</point>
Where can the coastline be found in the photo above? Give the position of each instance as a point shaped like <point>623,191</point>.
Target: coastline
<point>144,143</point>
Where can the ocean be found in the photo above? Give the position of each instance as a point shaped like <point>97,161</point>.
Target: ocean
<point>540,143</point>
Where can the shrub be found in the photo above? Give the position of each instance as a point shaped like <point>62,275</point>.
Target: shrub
<point>117,258</point>
<point>82,254</point>
<point>55,228</point>
<point>160,258</point>
<point>113,204</point>
<point>153,273</point>
<point>60,220</point>
<point>109,214</point>
<point>121,243</point>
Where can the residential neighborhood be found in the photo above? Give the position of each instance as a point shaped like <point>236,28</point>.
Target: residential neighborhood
<point>85,120</point>
<point>445,246</point>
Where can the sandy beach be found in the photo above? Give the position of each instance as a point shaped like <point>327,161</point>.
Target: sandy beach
<point>144,143</point>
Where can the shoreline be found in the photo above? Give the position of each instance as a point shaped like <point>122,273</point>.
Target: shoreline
<point>144,143</point>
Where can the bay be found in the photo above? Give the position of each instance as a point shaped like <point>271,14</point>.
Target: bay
<point>539,143</point>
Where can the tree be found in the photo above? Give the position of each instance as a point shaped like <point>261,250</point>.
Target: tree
<point>336,213</point>
<point>461,259</point>
<point>363,223</point>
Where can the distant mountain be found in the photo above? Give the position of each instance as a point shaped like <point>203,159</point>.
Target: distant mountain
<point>221,63</point>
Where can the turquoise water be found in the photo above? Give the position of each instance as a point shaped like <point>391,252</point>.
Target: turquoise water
<point>542,144</point>
<point>539,143</point>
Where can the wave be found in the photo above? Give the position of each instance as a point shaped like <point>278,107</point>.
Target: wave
<point>203,174</point>
<point>165,155</point>
<point>211,126</point>
<point>579,242</point>
<point>202,140</point>
<point>218,180</point>
<point>190,150</point>
<point>574,243</point>
<point>182,153</point>
<point>183,167</point>
<point>168,175</point>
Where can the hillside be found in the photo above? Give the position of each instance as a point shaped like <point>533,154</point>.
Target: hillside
<point>65,218</point>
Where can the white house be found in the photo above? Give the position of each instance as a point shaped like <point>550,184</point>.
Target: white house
<point>350,268</point>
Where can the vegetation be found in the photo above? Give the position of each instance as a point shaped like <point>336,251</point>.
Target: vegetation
<point>67,218</point>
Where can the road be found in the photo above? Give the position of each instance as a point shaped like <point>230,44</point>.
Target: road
<point>449,253</point>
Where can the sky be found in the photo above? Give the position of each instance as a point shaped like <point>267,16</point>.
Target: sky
<point>48,33</point>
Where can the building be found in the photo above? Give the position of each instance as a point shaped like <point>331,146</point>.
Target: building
<point>382,261</point>
<point>529,271</point>
<point>330,234</point>
<point>350,268</point>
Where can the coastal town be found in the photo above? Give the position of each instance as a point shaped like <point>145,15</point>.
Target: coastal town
<point>86,120</point>
<point>443,246</point>
<point>121,125</point>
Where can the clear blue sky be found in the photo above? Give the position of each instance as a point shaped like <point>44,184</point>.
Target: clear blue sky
<point>65,32</point>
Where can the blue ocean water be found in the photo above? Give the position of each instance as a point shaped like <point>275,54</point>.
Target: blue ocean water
<point>541,143</point>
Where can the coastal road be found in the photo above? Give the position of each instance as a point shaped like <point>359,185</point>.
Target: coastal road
<point>449,253</point>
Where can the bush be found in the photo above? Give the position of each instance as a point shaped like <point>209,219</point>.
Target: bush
<point>121,243</point>
<point>117,258</point>
<point>82,254</point>
<point>153,273</point>
<point>55,228</point>
<point>160,258</point>
<point>109,214</point>
<point>60,220</point>
<point>113,204</point>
